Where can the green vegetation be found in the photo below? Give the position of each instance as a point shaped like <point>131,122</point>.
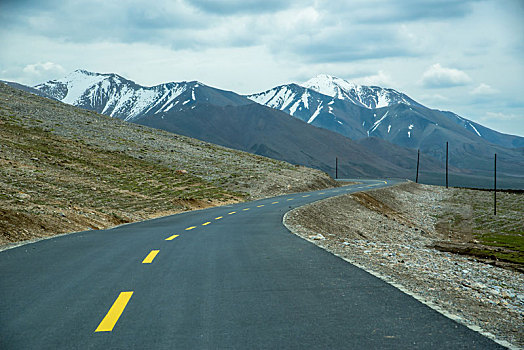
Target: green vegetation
<point>473,213</point>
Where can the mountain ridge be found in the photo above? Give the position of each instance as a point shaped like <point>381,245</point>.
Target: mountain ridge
<point>399,119</point>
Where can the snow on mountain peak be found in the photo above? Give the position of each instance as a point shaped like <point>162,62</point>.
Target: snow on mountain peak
<point>112,94</point>
<point>365,96</point>
<point>330,85</point>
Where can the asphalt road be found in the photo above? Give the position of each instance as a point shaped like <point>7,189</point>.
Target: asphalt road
<point>234,277</point>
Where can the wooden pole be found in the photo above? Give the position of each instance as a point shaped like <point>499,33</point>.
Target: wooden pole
<point>446,164</point>
<point>495,188</point>
<point>418,162</point>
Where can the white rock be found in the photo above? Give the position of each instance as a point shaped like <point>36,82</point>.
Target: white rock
<point>317,237</point>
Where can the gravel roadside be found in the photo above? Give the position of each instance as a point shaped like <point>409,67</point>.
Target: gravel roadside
<point>390,232</point>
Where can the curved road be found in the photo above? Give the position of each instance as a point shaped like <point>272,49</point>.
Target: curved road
<point>226,277</point>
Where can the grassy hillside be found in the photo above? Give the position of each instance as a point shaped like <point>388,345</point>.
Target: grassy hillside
<point>65,169</point>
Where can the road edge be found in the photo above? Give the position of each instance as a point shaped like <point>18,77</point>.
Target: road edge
<point>397,285</point>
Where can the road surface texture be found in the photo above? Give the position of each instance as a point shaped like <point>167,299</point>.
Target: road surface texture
<point>226,277</point>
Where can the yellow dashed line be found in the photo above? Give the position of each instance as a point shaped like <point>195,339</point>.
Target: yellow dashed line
<point>274,203</point>
<point>245,209</point>
<point>149,258</point>
<point>307,195</point>
<point>218,218</point>
<point>206,223</point>
<point>190,228</point>
<point>322,193</point>
<point>233,212</point>
<point>290,199</point>
<point>172,237</point>
<point>114,312</point>
<point>260,206</point>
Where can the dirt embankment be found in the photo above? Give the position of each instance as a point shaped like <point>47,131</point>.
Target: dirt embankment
<point>394,232</point>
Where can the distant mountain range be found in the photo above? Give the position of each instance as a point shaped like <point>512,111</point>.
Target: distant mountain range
<point>377,124</point>
<point>360,111</point>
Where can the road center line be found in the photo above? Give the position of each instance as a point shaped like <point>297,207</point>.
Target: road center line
<point>190,228</point>
<point>114,312</point>
<point>206,223</point>
<point>172,237</point>
<point>307,195</point>
<point>260,206</point>
<point>245,209</point>
<point>290,199</point>
<point>233,212</point>
<point>219,217</point>
<point>149,258</point>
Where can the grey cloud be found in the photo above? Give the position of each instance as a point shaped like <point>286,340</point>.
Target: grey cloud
<point>385,11</point>
<point>230,7</point>
<point>85,21</point>
<point>442,77</point>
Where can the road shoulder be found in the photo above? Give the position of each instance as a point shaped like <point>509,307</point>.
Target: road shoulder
<point>394,245</point>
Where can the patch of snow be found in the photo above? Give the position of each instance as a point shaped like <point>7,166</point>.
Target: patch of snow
<point>474,128</point>
<point>171,94</point>
<point>331,102</point>
<point>78,83</point>
<point>377,123</point>
<point>317,112</point>
<point>338,121</point>
<point>382,99</point>
<point>328,85</point>
<point>305,99</point>
<point>278,98</point>
<point>193,95</point>
<point>409,134</point>
<point>293,108</point>
<point>410,127</point>
<point>186,102</point>
<point>142,98</point>
<point>389,128</point>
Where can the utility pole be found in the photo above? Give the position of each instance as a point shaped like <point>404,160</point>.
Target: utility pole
<point>446,164</point>
<point>336,167</point>
<point>418,162</point>
<point>495,188</point>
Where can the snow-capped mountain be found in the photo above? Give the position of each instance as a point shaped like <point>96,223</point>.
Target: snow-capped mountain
<point>118,97</point>
<point>359,111</point>
<point>361,95</point>
<point>336,104</point>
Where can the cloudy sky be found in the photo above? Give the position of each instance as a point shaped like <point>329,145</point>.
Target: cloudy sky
<point>464,56</point>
